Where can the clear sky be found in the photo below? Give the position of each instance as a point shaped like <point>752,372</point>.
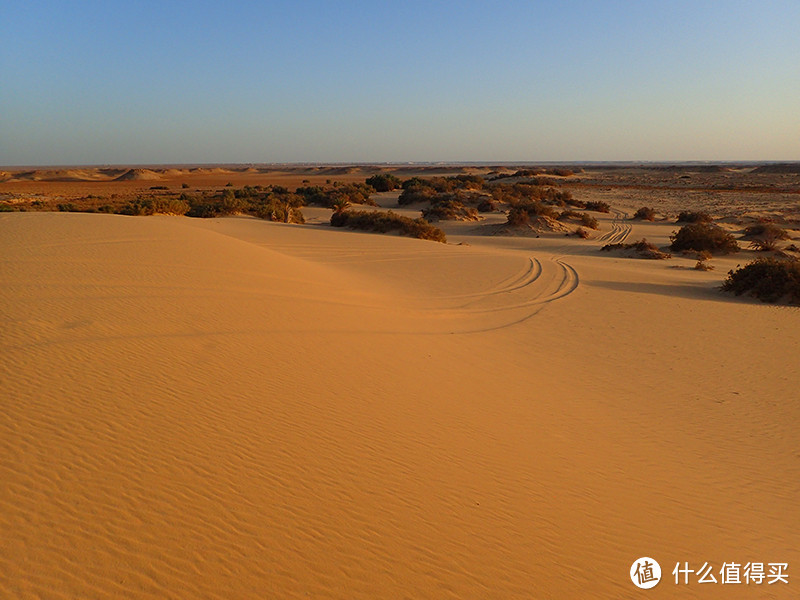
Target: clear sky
<point>194,82</point>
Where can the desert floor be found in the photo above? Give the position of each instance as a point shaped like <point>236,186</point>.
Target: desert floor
<point>232,408</point>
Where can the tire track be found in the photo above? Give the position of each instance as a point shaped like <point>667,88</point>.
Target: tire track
<point>620,230</point>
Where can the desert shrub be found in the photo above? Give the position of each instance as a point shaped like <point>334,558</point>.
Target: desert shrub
<point>159,187</point>
<point>768,279</point>
<point>276,210</point>
<point>694,217</point>
<point>487,205</point>
<point>384,222</point>
<point>67,207</point>
<point>533,208</point>
<point>560,172</point>
<point>640,249</point>
<point>314,195</point>
<point>7,208</point>
<point>645,214</point>
<point>155,206</point>
<point>185,186</point>
<point>203,210</point>
<point>518,217</point>
<point>105,208</point>
<point>416,193</point>
<point>702,265</point>
<point>598,206</point>
<point>704,236</point>
<point>765,236</point>
<point>582,233</point>
<point>585,220</point>
<point>449,210</point>
<point>383,182</point>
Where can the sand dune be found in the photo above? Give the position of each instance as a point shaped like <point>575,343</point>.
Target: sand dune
<point>139,174</point>
<point>230,408</point>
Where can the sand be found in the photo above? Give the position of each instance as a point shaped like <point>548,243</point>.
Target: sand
<point>231,408</point>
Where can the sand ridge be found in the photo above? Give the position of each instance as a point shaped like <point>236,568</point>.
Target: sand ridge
<point>230,408</point>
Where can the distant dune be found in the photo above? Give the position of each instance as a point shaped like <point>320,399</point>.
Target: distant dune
<point>139,174</point>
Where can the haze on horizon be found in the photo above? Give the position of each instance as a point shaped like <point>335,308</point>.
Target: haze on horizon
<point>252,82</point>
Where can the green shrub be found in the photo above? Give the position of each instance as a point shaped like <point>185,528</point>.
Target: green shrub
<point>645,214</point>
<point>768,279</point>
<point>155,206</point>
<point>383,182</point>
<point>704,236</point>
<point>67,207</point>
<point>694,217</point>
<point>384,222</point>
<point>7,208</point>
<point>283,212</point>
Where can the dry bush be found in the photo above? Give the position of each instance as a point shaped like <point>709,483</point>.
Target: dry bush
<point>582,233</point>
<point>640,249</point>
<point>702,265</point>
<point>518,217</point>
<point>694,217</point>
<point>768,279</point>
<point>645,214</point>
<point>449,210</point>
<point>585,220</point>
<point>598,206</point>
<point>704,236</point>
<point>765,236</point>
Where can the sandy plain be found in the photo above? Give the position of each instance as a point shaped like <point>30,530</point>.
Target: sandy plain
<point>232,408</point>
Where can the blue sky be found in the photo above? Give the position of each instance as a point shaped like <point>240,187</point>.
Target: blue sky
<point>195,82</point>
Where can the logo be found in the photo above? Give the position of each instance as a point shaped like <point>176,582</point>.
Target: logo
<point>645,572</point>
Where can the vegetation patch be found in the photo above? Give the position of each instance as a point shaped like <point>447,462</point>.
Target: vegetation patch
<point>765,236</point>
<point>645,214</point>
<point>449,210</point>
<point>584,219</point>
<point>385,222</point>
<point>704,236</point>
<point>640,249</point>
<point>694,217</point>
<point>383,182</point>
<point>768,279</point>
<point>598,206</point>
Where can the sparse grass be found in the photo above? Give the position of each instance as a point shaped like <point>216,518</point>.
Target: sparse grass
<point>765,236</point>
<point>768,279</point>
<point>704,236</point>
<point>582,233</point>
<point>584,219</point>
<point>384,222</point>
<point>640,249</point>
<point>694,217</point>
<point>645,213</point>
<point>702,265</point>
